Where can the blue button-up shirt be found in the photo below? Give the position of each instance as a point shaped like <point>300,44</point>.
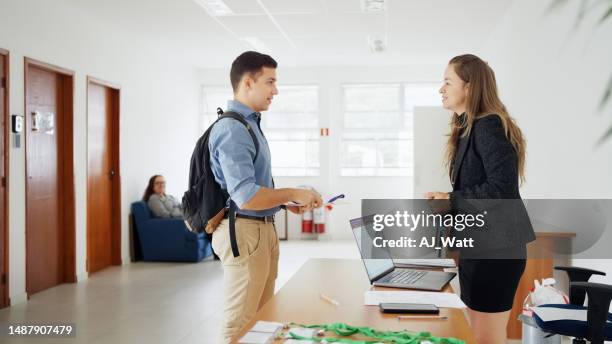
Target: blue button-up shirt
<point>231,158</point>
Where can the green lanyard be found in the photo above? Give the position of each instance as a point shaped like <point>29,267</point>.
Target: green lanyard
<point>397,337</point>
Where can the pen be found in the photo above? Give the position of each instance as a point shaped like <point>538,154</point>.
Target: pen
<point>333,199</point>
<point>416,317</point>
<point>329,300</point>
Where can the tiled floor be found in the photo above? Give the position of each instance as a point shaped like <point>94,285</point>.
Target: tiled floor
<point>152,302</point>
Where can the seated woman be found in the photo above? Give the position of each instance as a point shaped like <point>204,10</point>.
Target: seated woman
<point>161,205</point>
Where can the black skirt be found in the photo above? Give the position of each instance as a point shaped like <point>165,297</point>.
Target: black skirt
<point>489,285</point>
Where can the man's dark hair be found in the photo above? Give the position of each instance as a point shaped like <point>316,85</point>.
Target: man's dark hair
<point>249,62</point>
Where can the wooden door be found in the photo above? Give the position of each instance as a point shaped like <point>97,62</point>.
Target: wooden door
<point>49,183</point>
<point>103,199</point>
<point>3,175</point>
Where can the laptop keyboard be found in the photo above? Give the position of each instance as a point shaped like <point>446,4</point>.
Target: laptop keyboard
<point>404,276</point>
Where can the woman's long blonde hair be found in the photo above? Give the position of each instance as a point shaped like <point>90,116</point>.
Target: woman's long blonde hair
<point>482,100</point>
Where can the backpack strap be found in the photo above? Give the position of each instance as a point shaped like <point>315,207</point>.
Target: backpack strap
<point>232,228</point>
<point>232,205</point>
<point>203,142</point>
<point>240,118</point>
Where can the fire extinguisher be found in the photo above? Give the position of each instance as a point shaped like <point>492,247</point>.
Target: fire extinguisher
<point>307,222</point>
<point>319,220</point>
<point>320,217</point>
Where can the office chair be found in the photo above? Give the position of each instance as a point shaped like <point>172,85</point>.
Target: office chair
<point>597,327</point>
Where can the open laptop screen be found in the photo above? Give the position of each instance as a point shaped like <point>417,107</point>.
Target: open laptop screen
<point>363,237</point>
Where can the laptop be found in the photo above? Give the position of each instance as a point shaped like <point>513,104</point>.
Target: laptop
<point>382,272</point>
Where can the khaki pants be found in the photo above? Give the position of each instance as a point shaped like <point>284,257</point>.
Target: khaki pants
<point>248,280</point>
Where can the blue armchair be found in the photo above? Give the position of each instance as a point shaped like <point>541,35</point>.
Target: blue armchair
<point>167,239</point>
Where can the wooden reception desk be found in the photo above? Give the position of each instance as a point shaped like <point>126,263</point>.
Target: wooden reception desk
<point>345,280</point>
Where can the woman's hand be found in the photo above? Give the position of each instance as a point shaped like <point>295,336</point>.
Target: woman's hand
<point>436,195</point>
<point>438,201</point>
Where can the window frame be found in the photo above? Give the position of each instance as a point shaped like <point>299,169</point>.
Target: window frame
<point>206,115</point>
<point>381,132</point>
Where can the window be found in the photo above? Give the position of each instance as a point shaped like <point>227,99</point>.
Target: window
<point>377,137</point>
<point>292,130</point>
<point>291,126</point>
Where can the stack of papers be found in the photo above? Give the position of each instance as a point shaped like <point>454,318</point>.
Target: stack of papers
<point>263,332</point>
<point>440,299</point>
<point>257,338</point>
<point>267,327</point>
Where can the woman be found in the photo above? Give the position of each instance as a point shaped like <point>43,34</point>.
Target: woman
<point>485,158</point>
<point>161,205</point>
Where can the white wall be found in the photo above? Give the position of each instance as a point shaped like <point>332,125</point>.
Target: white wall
<point>158,109</point>
<point>552,78</point>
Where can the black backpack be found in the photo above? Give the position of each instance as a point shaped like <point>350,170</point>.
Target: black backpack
<point>204,198</point>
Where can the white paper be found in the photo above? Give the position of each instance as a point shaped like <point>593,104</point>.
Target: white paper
<point>442,263</point>
<point>295,341</point>
<point>440,299</point>
<point>266,326</point>
<point>302,332</point>
<point>552,314</point>
<point>257,338</point>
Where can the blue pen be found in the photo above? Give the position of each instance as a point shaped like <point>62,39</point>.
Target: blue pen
<point>333,199</point>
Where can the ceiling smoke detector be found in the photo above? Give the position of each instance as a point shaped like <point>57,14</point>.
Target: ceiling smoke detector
<point>215,8</point>
<point>377,44</point>
<point>373,5</point>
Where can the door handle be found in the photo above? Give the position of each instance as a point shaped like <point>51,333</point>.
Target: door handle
<point>111,174</point>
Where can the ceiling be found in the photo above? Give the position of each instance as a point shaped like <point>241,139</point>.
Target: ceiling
<point>308,32</point>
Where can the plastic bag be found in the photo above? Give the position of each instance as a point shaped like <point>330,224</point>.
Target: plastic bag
<point>542,294</point>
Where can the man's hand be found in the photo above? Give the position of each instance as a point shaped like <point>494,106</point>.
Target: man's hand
<point>267,198</point>
<point>296,209</point>
<point>307,199</point>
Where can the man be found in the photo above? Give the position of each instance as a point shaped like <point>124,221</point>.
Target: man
<point>249,277</point>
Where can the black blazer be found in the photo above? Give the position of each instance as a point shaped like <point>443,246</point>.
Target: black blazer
<point>485,178</point>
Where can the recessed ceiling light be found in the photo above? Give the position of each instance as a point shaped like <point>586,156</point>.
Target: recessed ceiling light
<point>373,5</point>
<point>215,8</point>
